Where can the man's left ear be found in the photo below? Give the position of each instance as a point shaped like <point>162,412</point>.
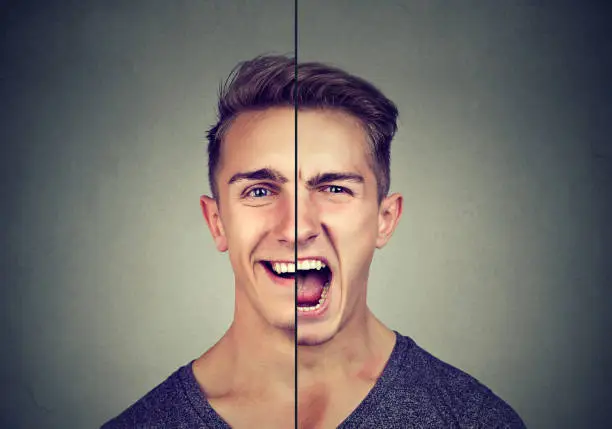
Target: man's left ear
<point>389,214</point>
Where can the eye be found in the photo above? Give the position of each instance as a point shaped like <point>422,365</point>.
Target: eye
<point>258,192</point>
<point>335,189</point>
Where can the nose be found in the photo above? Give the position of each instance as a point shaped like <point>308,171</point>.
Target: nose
<point>300,225</point>
<point>307,218</point>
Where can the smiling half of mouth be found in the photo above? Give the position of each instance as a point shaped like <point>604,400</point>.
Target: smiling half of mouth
<point>313,281</point>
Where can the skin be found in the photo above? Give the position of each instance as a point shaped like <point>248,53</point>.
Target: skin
<point>340,354</point>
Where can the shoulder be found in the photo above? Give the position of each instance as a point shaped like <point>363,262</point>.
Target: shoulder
<point>166,405</point>
<point>456,395</point>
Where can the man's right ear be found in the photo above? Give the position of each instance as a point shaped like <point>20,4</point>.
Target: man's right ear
<point>210,210</point>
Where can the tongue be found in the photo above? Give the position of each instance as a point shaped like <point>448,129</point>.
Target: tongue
<point>310,286</point>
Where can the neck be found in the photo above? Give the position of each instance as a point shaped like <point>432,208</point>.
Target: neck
<point>264,354</point>
<point>359,350</point>
<point>335,376</point>
<point>252,358</point>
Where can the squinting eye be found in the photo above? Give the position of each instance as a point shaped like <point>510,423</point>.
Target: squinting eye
<point>258,193</point>
<point>333,189</point>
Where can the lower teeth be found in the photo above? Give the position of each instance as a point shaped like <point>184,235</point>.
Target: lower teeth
<point>321,300</point>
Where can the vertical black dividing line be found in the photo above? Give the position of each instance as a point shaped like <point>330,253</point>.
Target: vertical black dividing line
<point>295,157</point>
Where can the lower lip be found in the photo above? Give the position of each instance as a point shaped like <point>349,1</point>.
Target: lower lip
<point>319,311</point>
<point>279,280</point>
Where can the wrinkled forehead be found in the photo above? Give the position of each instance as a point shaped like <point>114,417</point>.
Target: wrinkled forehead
<point>330,140</point>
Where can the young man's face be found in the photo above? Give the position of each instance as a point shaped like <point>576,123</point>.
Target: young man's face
<point>339,221</point>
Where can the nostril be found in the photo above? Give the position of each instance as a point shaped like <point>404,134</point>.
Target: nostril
<point>305,239</point>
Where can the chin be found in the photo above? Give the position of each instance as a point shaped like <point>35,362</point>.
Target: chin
<point>313,340</point>
<point>315,335</point>
<point>282,321</point>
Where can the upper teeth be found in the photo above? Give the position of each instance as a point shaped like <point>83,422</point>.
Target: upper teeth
<point>289,267</point>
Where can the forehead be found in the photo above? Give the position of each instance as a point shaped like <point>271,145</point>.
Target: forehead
<point>326,140</point>
<point>331,140</point>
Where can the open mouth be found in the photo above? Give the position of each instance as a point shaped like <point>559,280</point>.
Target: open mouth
<point>313,280</point>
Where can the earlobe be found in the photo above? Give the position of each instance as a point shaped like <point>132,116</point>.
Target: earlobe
<point>210,210</point>
<point>388,217</point>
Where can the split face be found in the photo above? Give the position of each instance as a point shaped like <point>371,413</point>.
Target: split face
<point>335,230</point>
<point>313,279</point>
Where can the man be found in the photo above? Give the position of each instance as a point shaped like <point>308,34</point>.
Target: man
<point>352,371</point>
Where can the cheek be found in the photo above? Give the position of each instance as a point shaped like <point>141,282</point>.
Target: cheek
<point>246,229</point>
<point>351,223</point>
<point>354,232</point>
<point>241,235</point>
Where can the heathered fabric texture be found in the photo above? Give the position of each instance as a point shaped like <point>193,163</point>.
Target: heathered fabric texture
<point>415,390</point>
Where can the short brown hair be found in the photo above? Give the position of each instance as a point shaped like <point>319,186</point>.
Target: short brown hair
<point>270,81</point>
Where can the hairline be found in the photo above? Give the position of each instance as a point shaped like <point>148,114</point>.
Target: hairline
<point>370,144</point>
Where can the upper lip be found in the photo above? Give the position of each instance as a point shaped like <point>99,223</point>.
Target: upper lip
<point>301,258</point>
<point>323,259</point>
<point>314,258</point>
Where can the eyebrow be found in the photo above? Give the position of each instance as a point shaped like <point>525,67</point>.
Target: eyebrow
<point>261,174</point>
<point>322,178</point>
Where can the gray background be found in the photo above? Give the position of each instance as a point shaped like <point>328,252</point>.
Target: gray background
<point>111,281</point>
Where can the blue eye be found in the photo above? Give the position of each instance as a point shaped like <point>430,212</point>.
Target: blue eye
<point>258,193</point>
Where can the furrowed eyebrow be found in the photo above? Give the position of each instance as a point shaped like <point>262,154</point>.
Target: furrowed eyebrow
<point>261,174</point>
<point>322,178</point>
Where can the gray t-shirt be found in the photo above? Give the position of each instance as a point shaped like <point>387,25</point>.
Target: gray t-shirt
<point>415,390</point>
